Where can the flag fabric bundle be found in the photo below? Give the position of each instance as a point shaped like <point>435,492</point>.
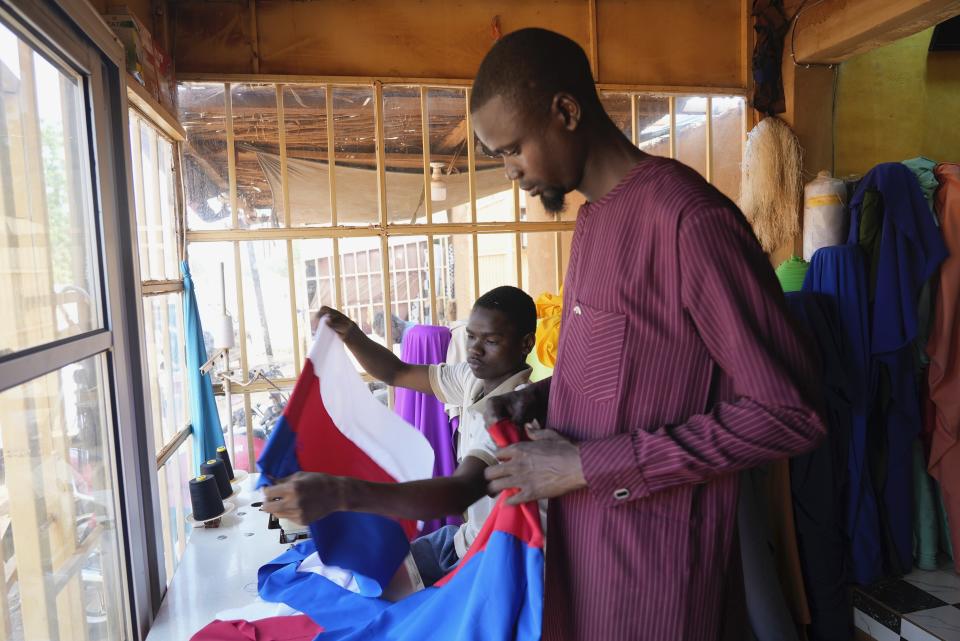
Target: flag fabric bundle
<point>495,593</point>
<point>333,424</point>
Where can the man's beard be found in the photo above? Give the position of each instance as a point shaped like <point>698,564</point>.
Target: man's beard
<point>553,200</point>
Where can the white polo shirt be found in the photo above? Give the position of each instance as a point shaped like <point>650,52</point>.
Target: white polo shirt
<point>456,385</point>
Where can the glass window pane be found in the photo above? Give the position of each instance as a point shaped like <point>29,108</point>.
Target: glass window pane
<point>266,301</point>
<point>314,285</point>
<point>257,153</point>
<point>497,206</point>
<point>206,261</point>
<point>447,116</point>
<point>174,493</point>
<point>728,139</point>
<point>653,124</point>
<point>540,263</point>
<point>403,146</point>
<point>691,132</point>
<point>363,293</point>
<point>265,409</point>
<point>240,458</point>
<point>48,257</point>
<point>410,282</point>
<point>152,230</point>
<point>453,262</point>
<point>617,106</point>
<point>163,325</point>
<point>497,255</point>
<point>206,179</point>
<point>61,540</point>
<point>143,239</point>
<point>354,134</point>
<point>308,180</point>
<point>494,190</point>
<point>168,210</point>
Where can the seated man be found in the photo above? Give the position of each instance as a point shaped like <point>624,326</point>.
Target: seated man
<point>500,334</point>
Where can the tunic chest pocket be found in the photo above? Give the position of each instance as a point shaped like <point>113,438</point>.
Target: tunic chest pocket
<point>596,340</point>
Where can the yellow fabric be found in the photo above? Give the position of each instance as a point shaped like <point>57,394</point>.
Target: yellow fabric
<point>549,307</point>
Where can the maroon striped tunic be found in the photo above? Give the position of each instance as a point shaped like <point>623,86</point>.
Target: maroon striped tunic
<point>677,367</point>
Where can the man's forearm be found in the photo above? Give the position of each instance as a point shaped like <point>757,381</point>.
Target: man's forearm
<point>378,361</point>
<point>416,500</point>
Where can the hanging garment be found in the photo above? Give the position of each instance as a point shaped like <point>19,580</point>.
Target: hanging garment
<point>923,169</point>
<point>456,353</point>
<point>771,25</point>
<point>838,272</point>
<point>931,537</point>
<point>333,424</point>
<point>944,351</point>
<point>427,345</point>
<point>818,479</point>
<point>767,609</point>
<point>891,222</point>
<point>791,273</point>
<point>204,418</point>
<point>494,594</point>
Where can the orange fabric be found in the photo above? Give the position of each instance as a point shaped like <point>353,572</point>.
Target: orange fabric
<point>944,351</point>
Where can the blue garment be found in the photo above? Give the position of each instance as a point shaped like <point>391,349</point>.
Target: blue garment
<point>818,479</point>
<point>839,273</point>
<point>911,248</point>
<point>207,430</point>
<point>906,248</point>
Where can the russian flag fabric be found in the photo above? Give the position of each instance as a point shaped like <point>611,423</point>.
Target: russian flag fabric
<point>333,424</point>
<point>495,593</point>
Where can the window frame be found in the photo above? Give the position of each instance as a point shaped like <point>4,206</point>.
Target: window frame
<point>72,31</point>
<point>384,230</point>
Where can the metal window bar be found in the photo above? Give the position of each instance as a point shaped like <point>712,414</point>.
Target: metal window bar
<point>709,142</point>
<point>432,231</point>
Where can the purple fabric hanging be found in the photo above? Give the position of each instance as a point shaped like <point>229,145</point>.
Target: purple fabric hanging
<point>427,345</point>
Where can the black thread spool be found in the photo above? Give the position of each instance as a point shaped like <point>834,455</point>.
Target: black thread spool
<point>205,498</point>
<point>215,468</point>
<point>224,456</point>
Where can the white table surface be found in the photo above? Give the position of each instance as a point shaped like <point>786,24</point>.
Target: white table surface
<point>218,570</point>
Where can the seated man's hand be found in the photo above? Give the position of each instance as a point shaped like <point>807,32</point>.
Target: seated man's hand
<point>523,407</point>
<point>345,328</point>
<point>305,497</point>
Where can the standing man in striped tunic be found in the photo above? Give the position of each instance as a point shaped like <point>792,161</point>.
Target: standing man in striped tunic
<point>677,366</point>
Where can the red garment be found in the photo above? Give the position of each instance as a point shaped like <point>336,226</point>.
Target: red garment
<point>943,348</point>
<point>678,365</point>
<point>291,628</point>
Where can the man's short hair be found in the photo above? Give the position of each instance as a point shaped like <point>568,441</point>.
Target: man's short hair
<point>529,67</point>
<point>515,304</point>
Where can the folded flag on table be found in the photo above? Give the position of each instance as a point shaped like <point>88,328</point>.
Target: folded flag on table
<point>495,593</point>
<point>333,424</point>
<point>282,628</point>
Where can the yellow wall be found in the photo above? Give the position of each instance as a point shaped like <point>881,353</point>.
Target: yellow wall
<point>898,102</point>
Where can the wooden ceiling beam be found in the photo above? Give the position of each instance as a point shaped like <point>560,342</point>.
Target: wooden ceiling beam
<point>831,32</point>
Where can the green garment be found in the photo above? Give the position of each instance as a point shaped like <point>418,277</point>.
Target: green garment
<point>791,273</point>
<point>930,533</point>
<point>922,168</point>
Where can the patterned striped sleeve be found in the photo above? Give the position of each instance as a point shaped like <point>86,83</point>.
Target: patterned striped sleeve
<point>730,293</point>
